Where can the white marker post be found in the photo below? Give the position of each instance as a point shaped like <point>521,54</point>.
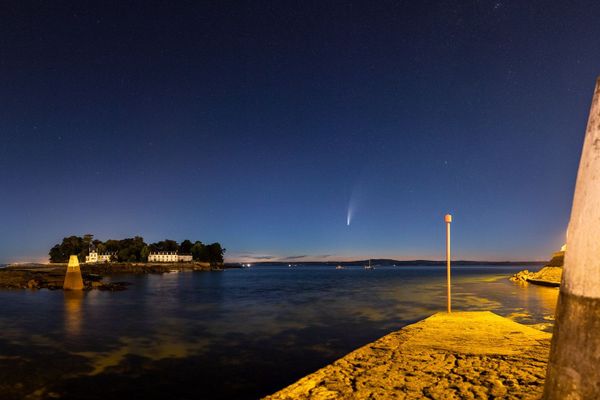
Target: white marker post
<point>448,220</point>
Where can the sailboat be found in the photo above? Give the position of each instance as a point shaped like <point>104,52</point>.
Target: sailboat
<point>369,266</point>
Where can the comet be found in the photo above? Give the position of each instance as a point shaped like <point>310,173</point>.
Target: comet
<point>350,212</point>
<point>357,195</point>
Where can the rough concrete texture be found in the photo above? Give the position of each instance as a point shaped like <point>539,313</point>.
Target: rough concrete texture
<point>574,368</point>
<point>582,269</point>
<point>575,356</point>
<point>463,355</point>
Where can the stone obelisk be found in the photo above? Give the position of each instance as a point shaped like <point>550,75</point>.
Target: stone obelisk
<point>73,280</point>
<point>574,365</point>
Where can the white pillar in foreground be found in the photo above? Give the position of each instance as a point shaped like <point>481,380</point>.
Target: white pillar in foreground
<point>574,365</point>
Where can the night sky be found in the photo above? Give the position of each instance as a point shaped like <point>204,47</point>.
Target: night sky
<point>264,125</point>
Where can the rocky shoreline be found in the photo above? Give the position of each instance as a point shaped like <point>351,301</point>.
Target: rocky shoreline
<point>52,276</point>
<point>547,276</point>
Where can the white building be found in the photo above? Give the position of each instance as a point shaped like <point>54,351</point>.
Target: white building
<point>94,257</point>
<point>163,256</point>
<point>184,258</point>
<point>169,256</point>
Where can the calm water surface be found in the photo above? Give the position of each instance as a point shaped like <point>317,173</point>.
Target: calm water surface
<point>231,334</point>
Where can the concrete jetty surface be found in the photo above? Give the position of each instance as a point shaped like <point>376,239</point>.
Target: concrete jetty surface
<point>463,355</point>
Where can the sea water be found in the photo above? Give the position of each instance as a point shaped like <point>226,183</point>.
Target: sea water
<point>239,333</point>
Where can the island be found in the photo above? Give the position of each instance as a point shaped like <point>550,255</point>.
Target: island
<point>112,257</point>
<point>135,250</point>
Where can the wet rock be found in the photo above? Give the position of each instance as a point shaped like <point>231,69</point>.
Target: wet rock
<point>520,276</point>
<point>547,276</point>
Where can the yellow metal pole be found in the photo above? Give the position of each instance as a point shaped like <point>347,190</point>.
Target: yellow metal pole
<point>448,220</point>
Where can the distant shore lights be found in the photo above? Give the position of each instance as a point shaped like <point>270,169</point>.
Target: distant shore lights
<point>448,220</point>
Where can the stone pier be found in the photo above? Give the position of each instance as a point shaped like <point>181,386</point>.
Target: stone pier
<point>463,355</point>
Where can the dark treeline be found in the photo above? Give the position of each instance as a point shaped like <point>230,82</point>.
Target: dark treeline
<point>134,249</point>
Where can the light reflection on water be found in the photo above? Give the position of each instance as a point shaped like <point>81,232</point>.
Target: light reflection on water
<point>73,312</point>
<point>233,334</point>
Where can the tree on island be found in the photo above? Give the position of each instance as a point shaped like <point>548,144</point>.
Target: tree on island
<point>99,246</point>
<point>215,253</point>
<point>212,253</point>
<point>145,253</point>
<point>199,252</point>
<point>164,245</point>
<point>186,247</point>
<point>70,245</point>
<point>130,250</point>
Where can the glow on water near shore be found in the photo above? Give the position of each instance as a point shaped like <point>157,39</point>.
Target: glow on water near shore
<point>308,316</point>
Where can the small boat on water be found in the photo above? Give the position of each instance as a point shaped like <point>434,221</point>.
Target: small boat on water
<point>369,266</point>
<point>339,267</point>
